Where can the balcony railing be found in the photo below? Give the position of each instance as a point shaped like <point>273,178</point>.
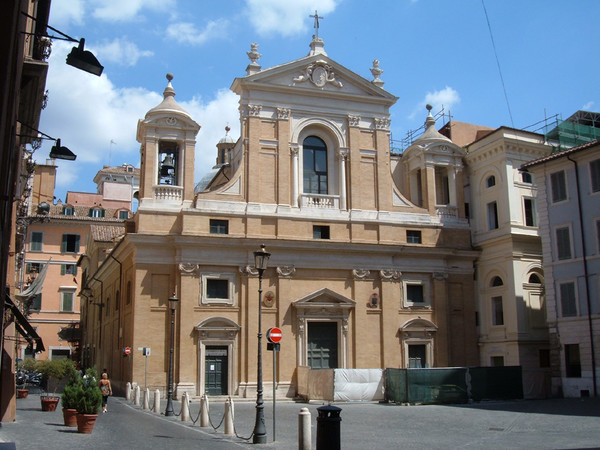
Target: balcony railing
<point>446,212</point>
<point>168,192</point>
<point>321,201</point>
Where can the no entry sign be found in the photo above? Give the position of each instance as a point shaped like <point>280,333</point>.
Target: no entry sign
<point>274,335</point>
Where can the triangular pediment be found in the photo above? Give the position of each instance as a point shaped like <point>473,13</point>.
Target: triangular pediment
<point>313,74</point>
<point>324,298</point>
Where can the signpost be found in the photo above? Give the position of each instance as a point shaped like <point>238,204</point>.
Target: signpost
<point>146,353</point>
<point>274,336</point>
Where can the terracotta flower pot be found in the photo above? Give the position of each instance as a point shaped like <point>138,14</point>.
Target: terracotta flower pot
<point>85,422</point>
<point>22,393</point>
<point>70,417</point>
<point>49,403</point>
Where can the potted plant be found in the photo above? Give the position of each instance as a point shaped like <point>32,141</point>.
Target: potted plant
<point>69,398</point>
<point>89,400</point>
<point>53,371</point>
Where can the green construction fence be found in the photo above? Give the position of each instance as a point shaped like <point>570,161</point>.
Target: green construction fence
<point>453,385</point>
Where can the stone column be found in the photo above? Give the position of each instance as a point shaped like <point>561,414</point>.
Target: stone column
<point>294,149</point>
<point>343,156</point>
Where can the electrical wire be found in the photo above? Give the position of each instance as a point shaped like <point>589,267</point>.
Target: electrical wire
<point>498,63</point>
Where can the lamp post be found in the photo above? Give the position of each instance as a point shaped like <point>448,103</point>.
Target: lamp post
<point>261,260</point>
<point>172,304</point>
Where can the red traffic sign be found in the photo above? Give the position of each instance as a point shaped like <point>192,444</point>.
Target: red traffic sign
<point>274,335</point>
<point>127,350</point>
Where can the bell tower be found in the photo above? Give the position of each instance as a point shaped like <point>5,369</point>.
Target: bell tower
<point>167,135</point>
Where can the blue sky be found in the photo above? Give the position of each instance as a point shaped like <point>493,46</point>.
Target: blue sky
<point>431,51</point>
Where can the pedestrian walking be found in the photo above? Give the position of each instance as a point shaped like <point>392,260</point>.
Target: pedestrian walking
<point>106,390</point>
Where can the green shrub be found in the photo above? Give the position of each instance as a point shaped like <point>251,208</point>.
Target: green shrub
<point>28,364</point>
<point>89,396</point>
<point>53,371</point>
<point>72,389</point>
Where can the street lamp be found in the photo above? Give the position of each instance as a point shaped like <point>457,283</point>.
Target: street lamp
<point>173,305</point>
<point>261,260</point>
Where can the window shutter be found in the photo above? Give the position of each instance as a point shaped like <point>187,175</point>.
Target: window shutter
<point>63,269</point>
<point>64,243</point>
<point>77,244</point>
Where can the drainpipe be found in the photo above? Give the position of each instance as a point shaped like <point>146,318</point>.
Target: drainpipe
<point>100,305</point>
<point>587,284</point>
<point>119,336</point>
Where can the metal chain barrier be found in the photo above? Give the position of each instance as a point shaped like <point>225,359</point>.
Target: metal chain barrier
<point>198,417</point>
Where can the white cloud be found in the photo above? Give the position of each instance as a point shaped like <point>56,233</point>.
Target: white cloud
<point>285,17</point>
<point>63,12</point>
<point>120,51</point>
<point>447,97</point>
<point>588,106</point>
<point>187,33</point>
<point>87,112</point>
<point>122,11</point>
<point>213,117</point>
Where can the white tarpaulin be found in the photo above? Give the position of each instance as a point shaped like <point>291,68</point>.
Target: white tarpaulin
<point>358,385</point>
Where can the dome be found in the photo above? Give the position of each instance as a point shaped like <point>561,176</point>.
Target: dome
<point>430,133</point>
<point>168,105</point>
<point>227,139</point>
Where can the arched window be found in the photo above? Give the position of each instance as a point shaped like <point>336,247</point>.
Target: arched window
<point>496,281</point>
<point>491,181</point>
<point>315,165</point>
<point>534,279</point>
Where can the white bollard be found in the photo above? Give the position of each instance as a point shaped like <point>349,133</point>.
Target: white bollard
<point>304,436</point>
<point>185,408</point>
<point>229,417</point>
<point>157,401</point>
<point>146,403</point>
<point>136,396</point>
<point>128,391</point>
<point>204,420</point>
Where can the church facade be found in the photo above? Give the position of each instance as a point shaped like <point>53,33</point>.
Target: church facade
<point>371,258</point>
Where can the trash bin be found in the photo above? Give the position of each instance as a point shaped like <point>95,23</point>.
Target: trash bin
<point>328,428</point>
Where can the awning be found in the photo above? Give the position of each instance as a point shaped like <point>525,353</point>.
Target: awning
<point>23,326</point>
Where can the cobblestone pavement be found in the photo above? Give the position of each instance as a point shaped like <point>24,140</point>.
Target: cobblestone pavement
<point>539,424</point>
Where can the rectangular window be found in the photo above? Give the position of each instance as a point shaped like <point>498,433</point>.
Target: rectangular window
<point>492,212</point>
<point>218,289</point>
<point>36,303</point>
<point>497,311</point>
<point>68,211</point>
<point>563,243</point>
<point>33,267</point>
<point>59,353</point>
<point>529,210</point>
<point>123,215</point>
<point>96,213</point>
<point>595,175</point>
<point>68,269</point>
<point>218,226</point>
<point>414,293</point>
<point>497,361</point>
<point>568,299</point>
<point>526,177</point>
<point>70,243</point>
<point>320,231</point>
<point>572,361</point>
<point>35,245</point>
<point>413,236</point>
<point>66,301</point>
<point>559,186</point>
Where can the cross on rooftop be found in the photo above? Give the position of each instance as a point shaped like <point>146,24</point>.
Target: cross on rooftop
<point>316,25</point>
